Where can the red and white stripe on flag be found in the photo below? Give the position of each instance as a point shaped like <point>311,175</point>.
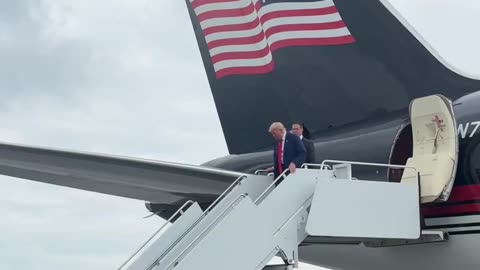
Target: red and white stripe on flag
<point>241,35</point>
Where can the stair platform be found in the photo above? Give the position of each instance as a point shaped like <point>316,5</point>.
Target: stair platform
<point>255,220</point>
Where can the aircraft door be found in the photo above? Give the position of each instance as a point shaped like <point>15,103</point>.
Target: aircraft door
<point>435,147</point>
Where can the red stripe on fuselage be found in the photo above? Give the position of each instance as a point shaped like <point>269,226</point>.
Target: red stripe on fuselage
<point>463,197</point>
<point>465,193</point>
<point>451,210</point>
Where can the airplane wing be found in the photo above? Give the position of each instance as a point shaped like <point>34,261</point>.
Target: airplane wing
<point>149,180</point>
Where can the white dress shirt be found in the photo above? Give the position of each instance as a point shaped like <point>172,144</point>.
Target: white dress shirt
<point>283,144</point>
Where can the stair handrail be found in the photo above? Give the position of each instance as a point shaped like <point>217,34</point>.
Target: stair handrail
<point>170,247</point>
<point>179,211</point>
<point>257,172</point>
<point>305,166</point>
<point>368,164</point>
<point>263,194</point>
<point>234,184</point>
<point>268,172</point>
<point>241,196</point>
<point>323,165</point>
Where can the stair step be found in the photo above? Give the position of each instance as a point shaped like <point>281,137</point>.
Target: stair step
<point>275,267</point>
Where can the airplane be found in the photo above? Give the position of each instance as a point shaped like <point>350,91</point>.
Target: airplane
<point>351,80</point>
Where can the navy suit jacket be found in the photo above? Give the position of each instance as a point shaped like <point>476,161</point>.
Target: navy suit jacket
<point>310,147</point>
<point>293,151</point>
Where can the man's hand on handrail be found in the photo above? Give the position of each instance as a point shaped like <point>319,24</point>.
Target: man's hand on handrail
<point>292,167</point>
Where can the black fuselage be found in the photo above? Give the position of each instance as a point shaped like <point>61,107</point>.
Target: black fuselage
<point>386,139</point>
<point>378,141</point>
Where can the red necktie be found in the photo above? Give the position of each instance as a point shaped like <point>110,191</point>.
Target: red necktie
<point>279,156</point>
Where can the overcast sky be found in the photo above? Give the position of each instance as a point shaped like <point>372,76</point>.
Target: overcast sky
<point>125,77</point>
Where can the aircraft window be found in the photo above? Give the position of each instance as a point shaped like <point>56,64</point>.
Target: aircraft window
<point>475,164</point>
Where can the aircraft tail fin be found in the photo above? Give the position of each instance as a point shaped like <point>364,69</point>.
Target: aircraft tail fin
<point>325,63</point>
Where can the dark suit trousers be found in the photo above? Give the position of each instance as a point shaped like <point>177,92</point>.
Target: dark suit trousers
<point>276,174</point>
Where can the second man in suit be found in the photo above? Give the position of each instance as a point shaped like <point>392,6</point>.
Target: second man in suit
<point>297,129</point>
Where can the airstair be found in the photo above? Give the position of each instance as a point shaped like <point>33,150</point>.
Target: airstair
<point>256,219</point>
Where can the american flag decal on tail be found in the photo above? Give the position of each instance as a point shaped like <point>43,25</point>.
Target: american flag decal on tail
<point>241,35</point>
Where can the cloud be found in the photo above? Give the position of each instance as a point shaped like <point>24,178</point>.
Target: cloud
<point>448,28</point>
<point>32,60</point>
<point>111,77</point>
<point>49,227</point>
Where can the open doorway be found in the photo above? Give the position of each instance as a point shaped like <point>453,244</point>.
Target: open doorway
<point>429,143</point>
<point>402,149</point>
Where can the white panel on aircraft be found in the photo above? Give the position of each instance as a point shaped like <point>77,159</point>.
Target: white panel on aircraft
<point>365,209</point>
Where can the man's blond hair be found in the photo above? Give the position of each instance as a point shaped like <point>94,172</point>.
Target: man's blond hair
<point>276,125</point>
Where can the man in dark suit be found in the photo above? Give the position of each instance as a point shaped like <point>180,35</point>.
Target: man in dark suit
<point>288,151</point>
<point>297,129</point>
